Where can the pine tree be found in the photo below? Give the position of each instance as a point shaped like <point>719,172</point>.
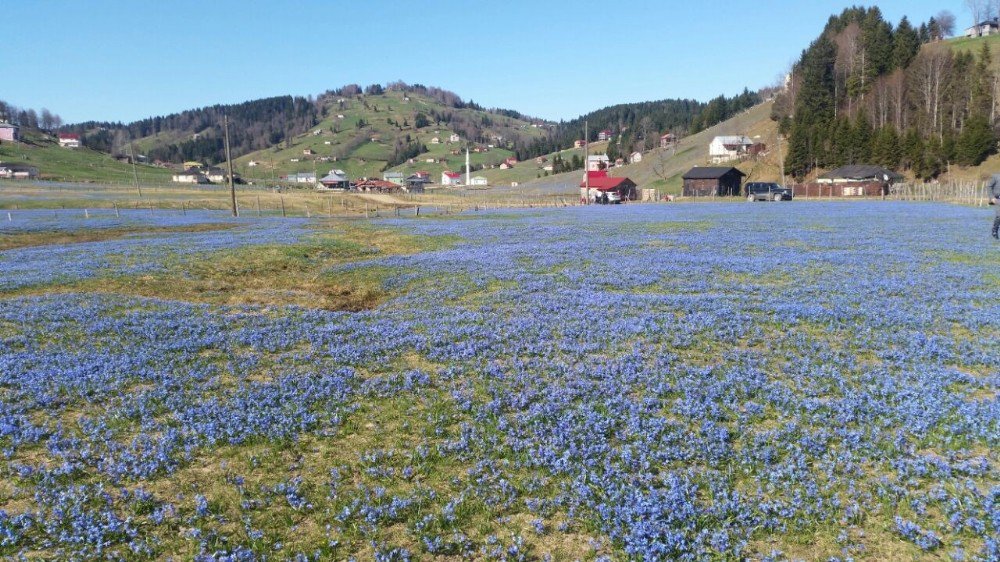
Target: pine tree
<point>913,150</point>
<point>906,43</point>
<point>886,149</point>
<point>860,140</point>
<point>976,142</point>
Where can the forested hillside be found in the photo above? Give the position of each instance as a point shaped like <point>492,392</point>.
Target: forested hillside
<point>866,91</point>
<point>197,134</point>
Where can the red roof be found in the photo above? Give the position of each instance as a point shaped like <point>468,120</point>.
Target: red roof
<point>453,174</point>
<point>597,174</point>
<point>605,183</point>
<point>69,136</point>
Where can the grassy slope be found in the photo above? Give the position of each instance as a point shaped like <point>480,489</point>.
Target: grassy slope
<point>63,164</point>
<point>369,159</point>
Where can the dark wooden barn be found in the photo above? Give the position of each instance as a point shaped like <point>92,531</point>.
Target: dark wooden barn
<point>709,181</point>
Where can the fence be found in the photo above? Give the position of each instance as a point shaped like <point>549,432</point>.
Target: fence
<point>960,192</point>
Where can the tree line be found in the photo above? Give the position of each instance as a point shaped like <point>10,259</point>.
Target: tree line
<point>869,92</point>
<point>42,120</point>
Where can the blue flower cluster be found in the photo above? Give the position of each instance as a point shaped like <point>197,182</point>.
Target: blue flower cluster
<point>642,382</point>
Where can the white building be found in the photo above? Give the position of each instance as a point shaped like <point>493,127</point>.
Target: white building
<point>435,140</point>
<point>597,162</point>
<point>454,138</point>
<point>479,181</point>
<point>728,148</point>
<point>635,157</point>
<point>451,178</point>
<point>190,175</point>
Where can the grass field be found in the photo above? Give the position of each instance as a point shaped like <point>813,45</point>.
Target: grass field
<point>592,383</point>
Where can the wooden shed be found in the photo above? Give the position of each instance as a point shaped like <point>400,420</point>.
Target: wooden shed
<point>709,181</point>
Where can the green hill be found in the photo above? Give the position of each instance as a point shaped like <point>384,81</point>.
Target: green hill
<point>78,164</point>
<point>361,135</point>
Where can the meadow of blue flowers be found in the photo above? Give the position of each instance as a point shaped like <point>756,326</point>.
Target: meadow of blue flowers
<point>689,382</point>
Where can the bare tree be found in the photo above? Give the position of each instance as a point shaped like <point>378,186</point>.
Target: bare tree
<point>976,8</point>
<point>946,23</point>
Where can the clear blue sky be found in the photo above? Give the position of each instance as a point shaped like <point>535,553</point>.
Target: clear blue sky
<point>121,61</point>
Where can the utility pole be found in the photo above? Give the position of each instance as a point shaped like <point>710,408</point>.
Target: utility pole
<point>135,175</point>
<point>229,159</point>
<point>586,161</point>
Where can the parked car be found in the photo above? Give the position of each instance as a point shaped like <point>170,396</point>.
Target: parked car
<point>767,191</point>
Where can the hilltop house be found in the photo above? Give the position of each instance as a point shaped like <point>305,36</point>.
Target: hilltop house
<point>435,140</point>
<point>308,152</point>
<point>454,138</point>
<point>708,181</point>
<point>190,175</point>
<point>9,132</point>
<point>579,143</point>
<point>69,140</point>
<point>253,164</point>
<point>728,148</point>
<point>988,27</point>
<point>451,178</point>
<point>635,158</point>
<point>605,135</point>
<point>18,171</point>
<point>667,140</point>
<point>510,161</point>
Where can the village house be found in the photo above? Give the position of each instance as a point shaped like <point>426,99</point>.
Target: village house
<point>598,183</point>
<point>547,168</point>
<point>479,181</point>
<point>579,143</point>
<point>190,175</point>
<point>710,181</point>
<point>451,178</point>
<point>336,179</point>
<point>69,140</point>
<point>454,138</point>
<point>18,171</point>
<point>541,160</point>
<point>398,178</point>
<point>605,135</point>
<point>510,161</point>
<point>302,177</point>
<point>635,157</point>
<point>377,186</point>
<point>308,152</point>
<point>667,140</point>
<point>9,132</point>
<point>253,164</point>
<point>435,140</point>
<point>415,183</point>
<point>859,180</point>
<point>728,148</point>
<point>215,175</point>
<point>505,166</point>
<point>597,162</point>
